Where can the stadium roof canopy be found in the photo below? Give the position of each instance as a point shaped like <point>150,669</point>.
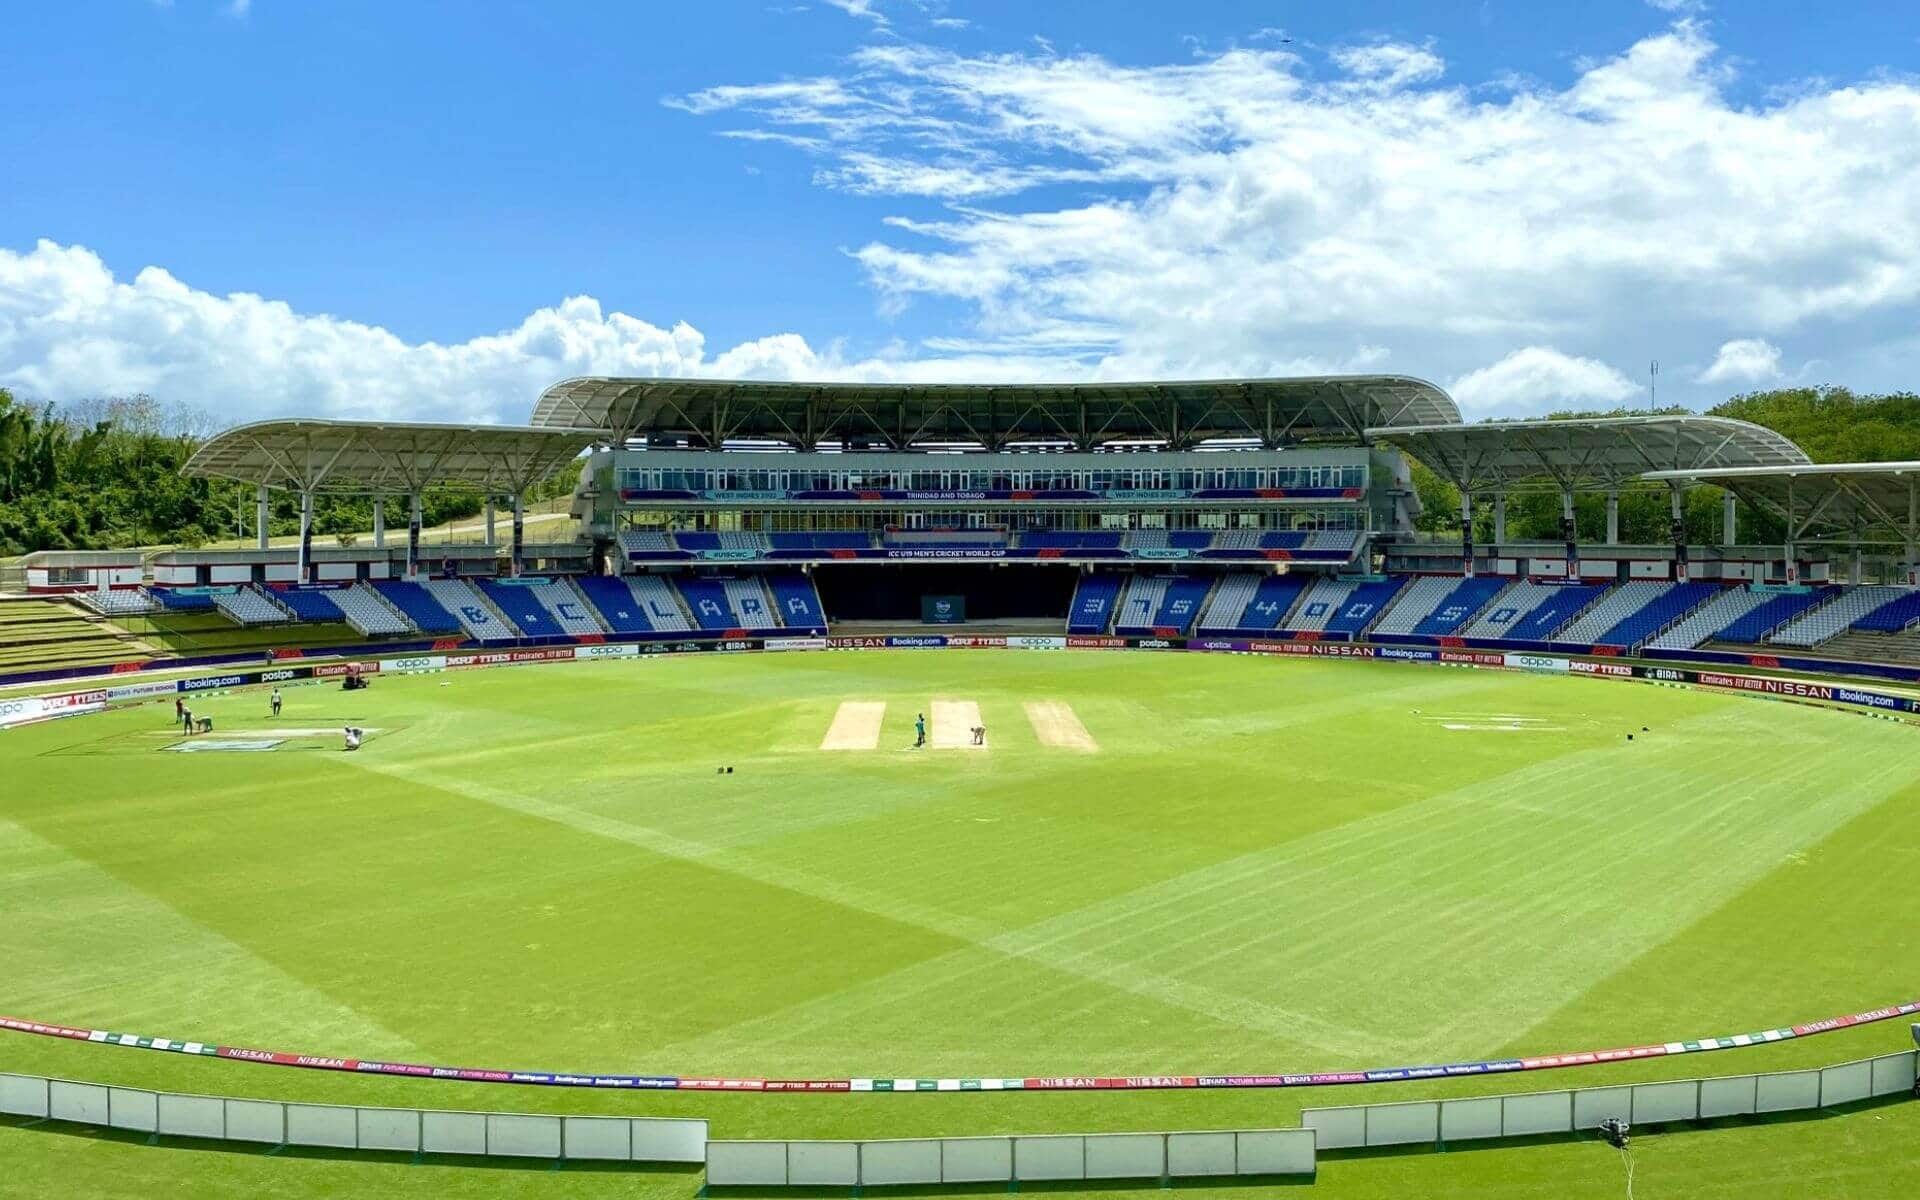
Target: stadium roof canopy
<point>713,413</point>
<point>1589,454</point>
<point>365,457</point>
<point>1826,501</point>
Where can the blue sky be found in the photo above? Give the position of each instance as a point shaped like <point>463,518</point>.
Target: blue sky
<point>356,208</point>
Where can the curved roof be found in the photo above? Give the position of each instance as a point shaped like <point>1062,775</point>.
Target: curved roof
<point>713,412</point>
<point>1826,501</point>
<point>368,457</point>
<point>1587,454</point>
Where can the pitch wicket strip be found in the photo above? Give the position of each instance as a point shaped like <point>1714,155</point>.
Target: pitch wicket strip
<point>1029,1084</point>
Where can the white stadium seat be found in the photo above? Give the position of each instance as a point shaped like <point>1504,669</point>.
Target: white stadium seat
<point>569,610</point>
<point>658,602</point>
<point>368,613</point>
<point>1417,603</point>
<point>1710,618</point>
<point>249,607</point>
<point>1831,618</point>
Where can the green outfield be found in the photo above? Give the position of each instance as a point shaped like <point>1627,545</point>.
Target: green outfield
<point>1156,864</point>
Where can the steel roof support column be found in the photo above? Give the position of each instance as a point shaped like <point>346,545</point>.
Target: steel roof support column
<point>490,537</point>
<point>260,495</point>
<point>519,532</point>
<point>1793,515</point>
<point>379,522</point>
<point>1499,521</point>
<point>1729,521</point>
<point>1613,517</point>
<point>413,535</point>
<point>1677,498</point>
<point>1910,570</point>
<point>1567,534</point>
<point>306,537</point>
<point>1466,532</point>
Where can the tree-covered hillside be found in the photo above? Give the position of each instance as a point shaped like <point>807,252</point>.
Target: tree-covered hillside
<point>106,473</point>
<point>1831,424</point>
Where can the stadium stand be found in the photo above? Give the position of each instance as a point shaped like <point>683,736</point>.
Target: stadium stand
<point>1509,607</point>
<point>310,604</point>
<point>827,542</point>
<point>1165,539</point>
<point>1894,616</point>
<point>1272,601</point>
<point>1364,605</point>
<point>521,608</point>
<point>1067,539</point>
<point>660,603</point>
<point>174,600</point>
<point>1666,607</point>
<point>1417,601</point>
<point>118,602</point>
<point>707,601</point>
<point>1344,539</point>
<point>568,607</point>
<point>1094,601</point>
<point>471,609</point>
<point>374,616</point>
<point>1135,611</point>
<point>1620,602</point>
<point>649,543</point>
<point>618,607</point>
<point>1229,601</point>
<point>1318,606</point>
<point>1762,620</point>
<point>244,606</point>
<point>1723,609</point>
<point>1460,607</point>
<point>1549,616</point>
<point>697,542</point>
<point>1847,605</point>
<point>796,601</point>
<point>1180,604</point>
<point>747,598</point>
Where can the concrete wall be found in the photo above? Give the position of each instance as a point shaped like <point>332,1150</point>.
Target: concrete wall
<point>344,1127</point>
<point>1479,1117</point>
<point>1040,1157</point>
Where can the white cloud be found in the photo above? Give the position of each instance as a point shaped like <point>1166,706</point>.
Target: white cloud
<point>69,329</point>
<point>863,9</point>
<point>1390,64</point>
<point>1541,378</point>
<point>1744,360</point>
<point>1251,205</point>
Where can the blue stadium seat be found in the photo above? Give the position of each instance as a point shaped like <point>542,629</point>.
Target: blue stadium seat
<point>797,602</point>
<point>1181,603</point>
<point>1452,613</point>
<point>1365,603</point>
<point>177,601</point>
<point>707,600</point>
<point>1093,603</point>
<point>615,603</point>
<point>519,605</point>
<point>1667,608</point>
<point>310,604</point>
<point>1771,615</point>
<point>420,607</point>
<point>1892,617</point>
